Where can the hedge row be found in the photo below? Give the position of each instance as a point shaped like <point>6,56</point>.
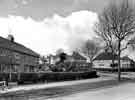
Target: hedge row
<point>115,70</point>
<point>59,76</point>
<point>47,76</point>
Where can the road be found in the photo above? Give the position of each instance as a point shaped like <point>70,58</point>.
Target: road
<point>59,91</point>
<point>109,90</point>
<point>119,92</point>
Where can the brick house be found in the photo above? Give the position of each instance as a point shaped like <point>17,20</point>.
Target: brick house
<point>15,57</point>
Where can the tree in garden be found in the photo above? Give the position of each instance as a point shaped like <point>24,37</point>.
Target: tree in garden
<point>62,57</point>
<point>117,21</point>
<point>90,49</point>
<point>59,51</point>
<point>60,64</point>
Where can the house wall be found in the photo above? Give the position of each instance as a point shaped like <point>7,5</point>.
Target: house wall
<point>53,59</point>
<point>19,62</point>
<point>107,63</point>
<point>125,63</point>
<point>82,66</point>
<point>101,64</point>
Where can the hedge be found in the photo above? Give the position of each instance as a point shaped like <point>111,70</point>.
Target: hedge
<point>64,76</point>
<point>47,76</point>
<point>28,77</point>
<point>115,69</point>
<point>6,77</point>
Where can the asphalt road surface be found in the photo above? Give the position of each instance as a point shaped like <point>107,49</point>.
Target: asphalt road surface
<point>95,90</point>
<point>119,92</point>
<point>59,91</point>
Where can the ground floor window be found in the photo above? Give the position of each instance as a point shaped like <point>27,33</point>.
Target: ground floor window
<point>6,68</point>
<point>31,68</point>
<point>125,65</point>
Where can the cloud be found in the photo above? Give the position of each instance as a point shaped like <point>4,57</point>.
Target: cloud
<point>38,9</point>
<point>52,33</point>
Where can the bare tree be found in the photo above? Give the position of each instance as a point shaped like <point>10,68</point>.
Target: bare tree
<point>90,49</point>
<point>102,30</point>
<point>118,21</point>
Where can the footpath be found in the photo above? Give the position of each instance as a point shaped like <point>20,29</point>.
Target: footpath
<point>52,85</point>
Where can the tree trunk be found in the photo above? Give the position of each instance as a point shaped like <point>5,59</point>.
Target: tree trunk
<point>119,63</point>
<point>91,62</point>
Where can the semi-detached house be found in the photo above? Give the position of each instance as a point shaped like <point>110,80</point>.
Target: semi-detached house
<point>104,60</point>
<point>15,57</point>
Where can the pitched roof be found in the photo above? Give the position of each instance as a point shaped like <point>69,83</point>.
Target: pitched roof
<point>78,56</point>
<point>5,43</point>
<point>105,56</point>
<point>109,56</point>
<point>126,58</point>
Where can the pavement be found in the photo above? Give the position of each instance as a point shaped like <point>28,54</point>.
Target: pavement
<point>52,85</point>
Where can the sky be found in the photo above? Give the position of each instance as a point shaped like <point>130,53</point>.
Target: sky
<point>48,25</point>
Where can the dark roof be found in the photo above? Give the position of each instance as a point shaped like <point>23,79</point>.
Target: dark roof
<point>126,58</point>
<point>109,56</point>
<point>105,56</point>
<point>7,44</point>
<point>78,56</point>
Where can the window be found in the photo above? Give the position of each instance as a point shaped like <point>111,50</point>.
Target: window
<point>31,68</point>
<point>26,68</point>
<point>101,64</point>
<point>15,68</point>
<point>17,56</point>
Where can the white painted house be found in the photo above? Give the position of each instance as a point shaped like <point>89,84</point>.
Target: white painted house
<point>104,60</point>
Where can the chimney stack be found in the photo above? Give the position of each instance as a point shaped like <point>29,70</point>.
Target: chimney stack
<point>10,37</point>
